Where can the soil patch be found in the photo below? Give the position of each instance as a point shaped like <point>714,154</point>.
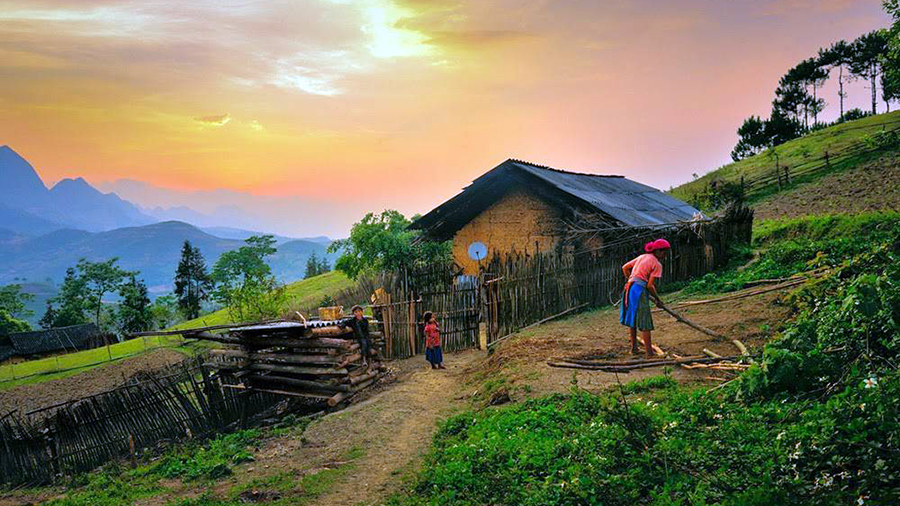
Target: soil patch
<point>520,366</point>
<point>874,186</point>
<point>93,381</point>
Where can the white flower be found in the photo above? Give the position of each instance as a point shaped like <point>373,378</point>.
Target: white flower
<point>862,406</point>
<point>717,416</point>
<point>779,436</point>
<point>871,382</point>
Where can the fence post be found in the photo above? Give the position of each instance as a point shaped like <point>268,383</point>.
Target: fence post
<point>827,161</point>
<point>787,175</point>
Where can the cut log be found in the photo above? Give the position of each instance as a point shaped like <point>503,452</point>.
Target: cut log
<point>290,369</point>
<point>355,380</point>
<point>349,359</point>
<point>711,353</point>
<point>280,357</point>
<point>740,346</point>
<point>308,395</point>
<point>331,331</point>
<point>324,342</point>
<point>314,386</point>
<point>338,398</point>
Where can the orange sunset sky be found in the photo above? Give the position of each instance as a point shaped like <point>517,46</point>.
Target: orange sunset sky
<point>330,108</point>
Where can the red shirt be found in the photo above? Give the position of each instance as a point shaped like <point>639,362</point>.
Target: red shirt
<point>432,335</point>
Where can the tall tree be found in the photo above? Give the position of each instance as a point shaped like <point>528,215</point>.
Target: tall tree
<point>838,55</point>
<point>165,311</point>
<point>244,281</point>
<point>192,282</point>
<point>752,138</point>
<point>133,313</point>
<point>100,278</point>
<point>72,300</point>
<point>14,301</point>
<point>49,317</point>
<point>868,53</point>
<point>890,84</point>
<point>385,242</point>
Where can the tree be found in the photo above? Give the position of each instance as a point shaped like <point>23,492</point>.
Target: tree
<point>244,281</point>
<point>192,282</point>
<point>100,278</point>
<point>385,242</point>
<point>868,53</point>
<point>890,78</point>
<point>838,56</point>
<point>14,301</point>
<point>781,127</point>
<point>133,313</point>
<point>49,317</point>
<point>10,324</point>
<point>316,266</point>
<point>165,311</point>
<point>72,300</point>
<point>753,138</point>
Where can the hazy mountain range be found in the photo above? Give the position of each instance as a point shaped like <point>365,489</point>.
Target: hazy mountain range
<point>44,230</point>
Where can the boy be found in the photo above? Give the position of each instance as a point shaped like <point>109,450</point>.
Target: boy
<point>360,326</point>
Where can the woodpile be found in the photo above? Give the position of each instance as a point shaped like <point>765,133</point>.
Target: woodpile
<point>315,359</point>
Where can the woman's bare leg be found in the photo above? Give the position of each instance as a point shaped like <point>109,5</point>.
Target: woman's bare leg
<point>645,335</point>
<point>632,333</point>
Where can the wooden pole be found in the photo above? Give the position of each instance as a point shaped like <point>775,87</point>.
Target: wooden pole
<point>692,324</point>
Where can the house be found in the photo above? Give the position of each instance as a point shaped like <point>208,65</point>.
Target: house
<point>525,208</point>
<point>57,340</point>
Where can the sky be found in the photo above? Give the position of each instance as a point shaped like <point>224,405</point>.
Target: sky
<point>314,112</point>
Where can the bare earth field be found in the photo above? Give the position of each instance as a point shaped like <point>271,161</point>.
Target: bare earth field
<point>874,186</point>
<point>99,379</point>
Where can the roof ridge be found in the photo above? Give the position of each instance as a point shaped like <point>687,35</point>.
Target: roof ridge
<point>547,167</point>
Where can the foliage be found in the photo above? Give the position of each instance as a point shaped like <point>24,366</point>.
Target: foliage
<point>384,241</point>
<point>316,266</point>
<point>891,76</point>
<point>14,301</point>
<point>882,140</point>
<point>208,461</point>
<point>49,316</point>
<point>868,52</point>
<point>164,311</point>
<point>753,138</point>
<point>244,281</point>
<point>9,324</point>
<point>718,195</point>
<point>192,282</point>
<point>133,313</point>
<point>96,280</point>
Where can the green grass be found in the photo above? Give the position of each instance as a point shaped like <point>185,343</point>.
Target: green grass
<point>301,294</point>
<point>305,293</point>
<point>808,148</point>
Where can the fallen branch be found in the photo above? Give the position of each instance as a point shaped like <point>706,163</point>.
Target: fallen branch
<point>711,353</point>
<point>740,346</point>
<point>618,367</point>
<point>691,324</point>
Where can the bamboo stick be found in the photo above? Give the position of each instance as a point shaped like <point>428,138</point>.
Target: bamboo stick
<point>691,324</point>
<point>614,367</point>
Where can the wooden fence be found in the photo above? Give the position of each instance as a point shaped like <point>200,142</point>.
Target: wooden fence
<point>183,401</point>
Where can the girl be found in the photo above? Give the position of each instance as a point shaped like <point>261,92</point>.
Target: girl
<point>433,352</point>
<point>642,273</point>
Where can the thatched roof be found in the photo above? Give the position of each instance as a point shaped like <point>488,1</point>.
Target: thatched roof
<point>620,201</point>
<point>75,337</point>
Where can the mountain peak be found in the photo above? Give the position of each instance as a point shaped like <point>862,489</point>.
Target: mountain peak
<point>21,184</point>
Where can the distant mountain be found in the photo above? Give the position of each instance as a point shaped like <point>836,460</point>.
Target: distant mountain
<point>154,250</point>
<point>30,208</point>
<point>241,234</point>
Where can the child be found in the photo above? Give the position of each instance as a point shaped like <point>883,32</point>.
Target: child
<point>433,353</point>
<point>642,273</point>
<point>360,327</point>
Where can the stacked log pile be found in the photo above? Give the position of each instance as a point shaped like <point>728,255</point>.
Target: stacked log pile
<point>316,359</point>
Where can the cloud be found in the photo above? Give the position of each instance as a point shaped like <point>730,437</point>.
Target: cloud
<point>215,120</point>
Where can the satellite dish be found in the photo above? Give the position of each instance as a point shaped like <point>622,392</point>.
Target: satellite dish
<point>477,251</point>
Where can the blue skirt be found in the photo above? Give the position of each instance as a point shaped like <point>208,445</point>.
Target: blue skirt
<point>434,355</point>
<point>636,307</point>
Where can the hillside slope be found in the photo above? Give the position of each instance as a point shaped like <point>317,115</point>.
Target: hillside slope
<point>808,158</point>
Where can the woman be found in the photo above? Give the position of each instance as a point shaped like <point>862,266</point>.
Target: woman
<point>433,353</point>
<point>642,273</point>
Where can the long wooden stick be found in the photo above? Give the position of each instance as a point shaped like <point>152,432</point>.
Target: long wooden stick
<point>614,367</point>
<point>691,324</point>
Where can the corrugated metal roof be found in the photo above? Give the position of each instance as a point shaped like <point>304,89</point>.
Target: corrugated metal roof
<point>632,203</point>
<point>56,339</point>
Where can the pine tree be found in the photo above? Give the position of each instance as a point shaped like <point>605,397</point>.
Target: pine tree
<point>133,313</point>
<point>192,282</point>
<point>47,321</point>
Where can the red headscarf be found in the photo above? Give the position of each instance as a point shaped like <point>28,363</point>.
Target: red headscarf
<point>658,244</point>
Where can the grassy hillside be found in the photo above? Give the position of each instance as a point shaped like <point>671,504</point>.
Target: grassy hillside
<point>798,155</point>
<point>305,293</point>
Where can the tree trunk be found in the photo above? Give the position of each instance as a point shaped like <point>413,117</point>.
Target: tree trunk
<point>841,89</point>
<point>874,80</point>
